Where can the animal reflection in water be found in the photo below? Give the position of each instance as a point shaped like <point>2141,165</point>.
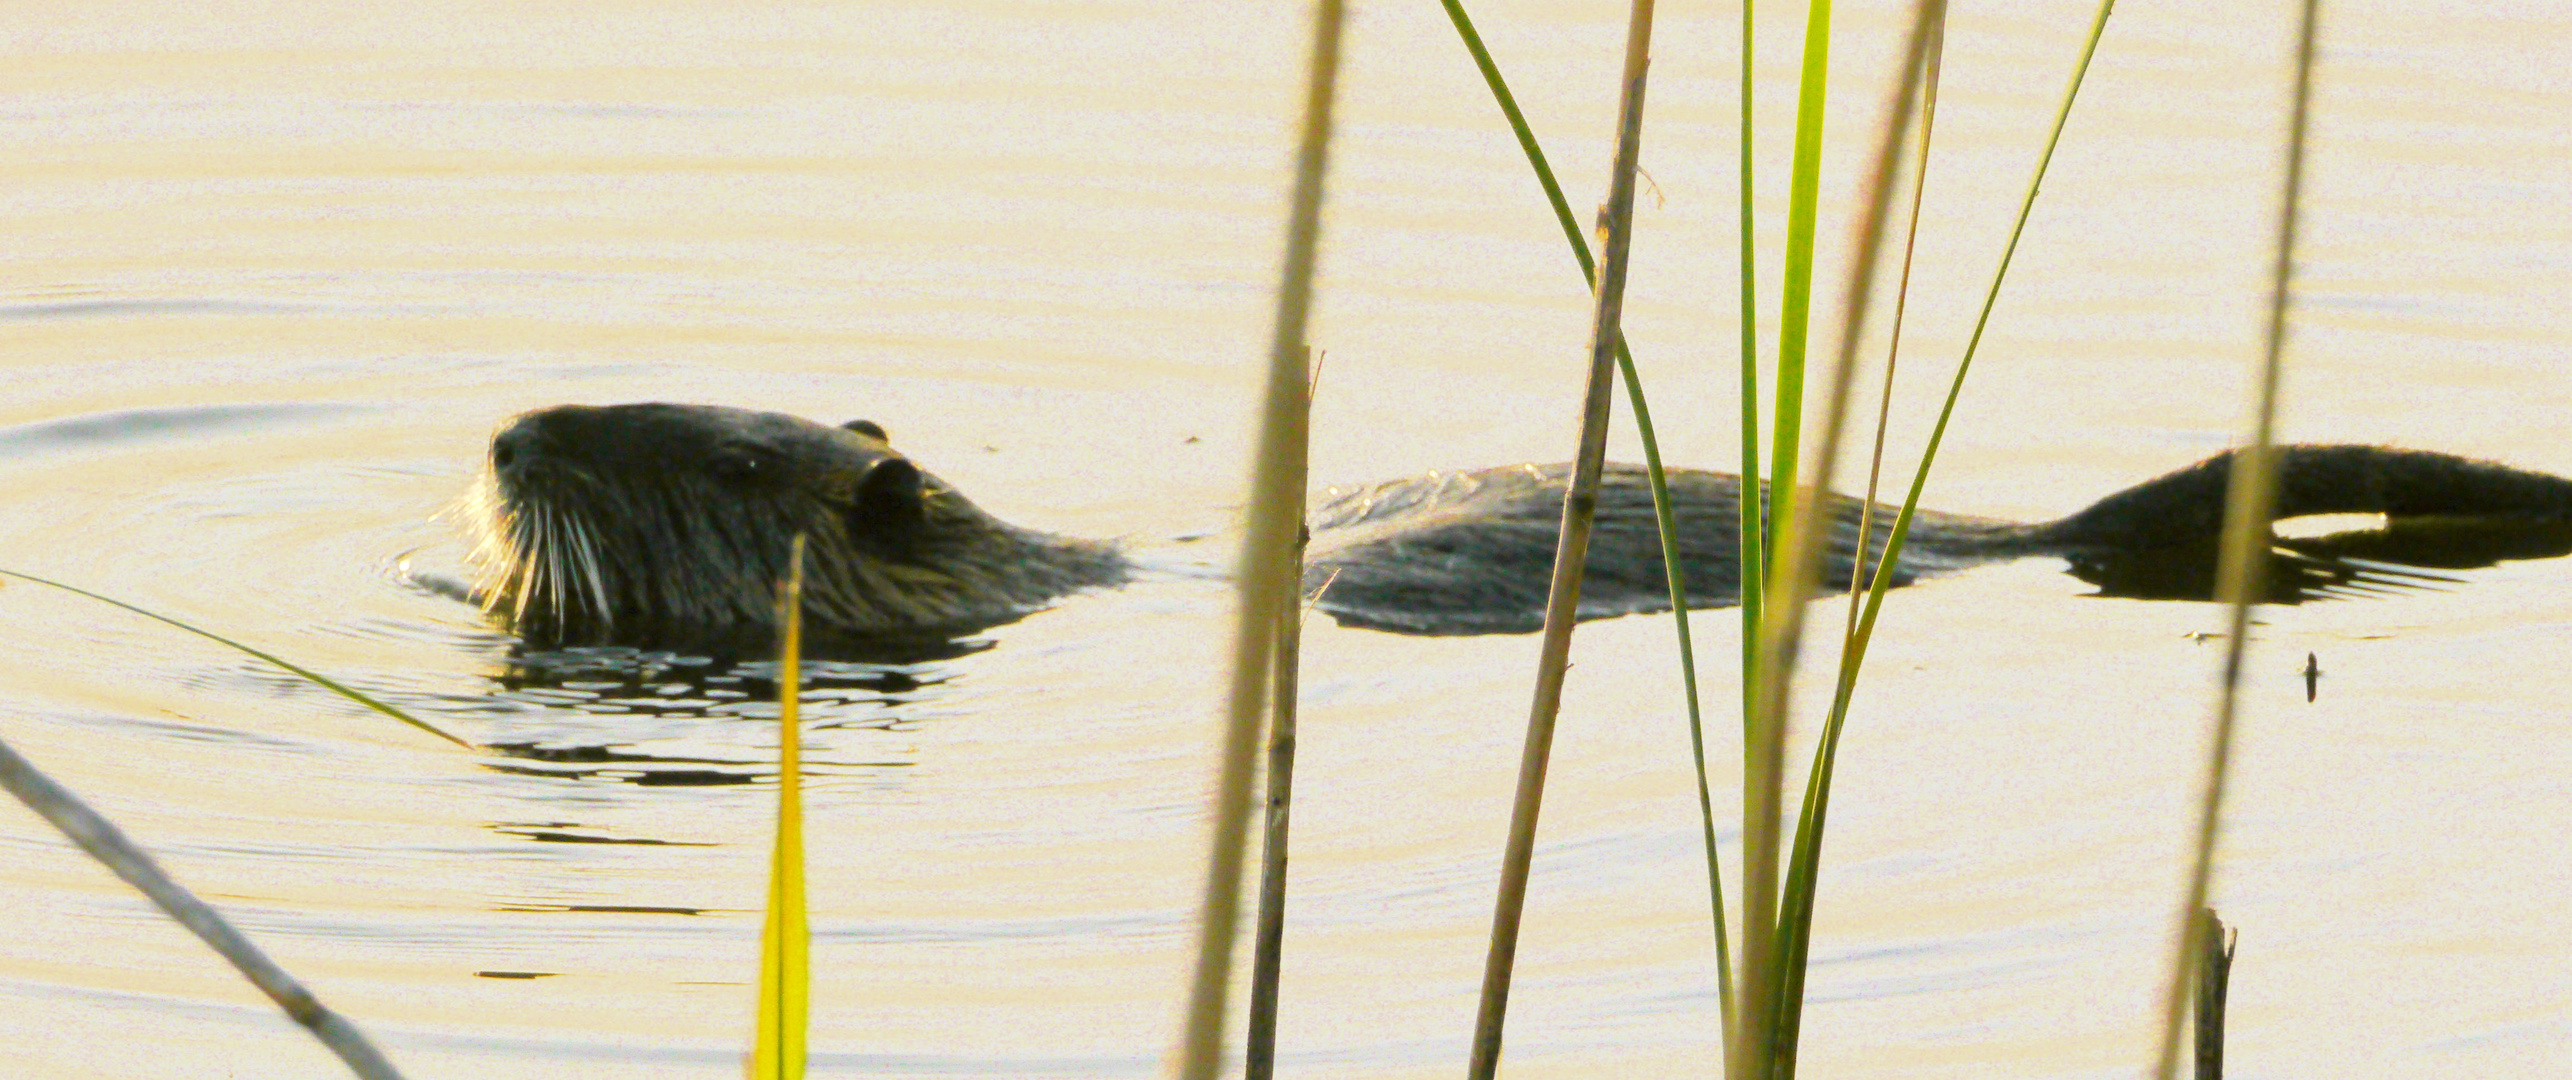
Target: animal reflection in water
<point>666,527</point>
<point>638,717</point>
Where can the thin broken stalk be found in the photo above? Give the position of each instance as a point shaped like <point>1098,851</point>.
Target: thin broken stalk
<point>2249,498</point>
<point>1267,583</point>
<point>2214,977</point>
<point>108,844</point>
<point>1580,504</point>
<point>1268,946</point>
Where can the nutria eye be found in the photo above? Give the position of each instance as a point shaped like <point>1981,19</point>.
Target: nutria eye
<point>742,466</point>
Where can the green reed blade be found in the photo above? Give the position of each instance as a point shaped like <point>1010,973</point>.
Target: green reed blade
<point>1762,719</point>
<point>1794,319</point>
<point>1654,473</point>
<point>1807,855</point>
<point>1803,866</point>
<point>785,940</point>
<point>1526,138</point>
<point>1759,1054</point>
<point>1752,529</point>
<point>307,674</point>
<point>2250,500</point>
<point>1775,505</point>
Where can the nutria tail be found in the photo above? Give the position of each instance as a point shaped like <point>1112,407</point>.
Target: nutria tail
<point>1473,552</point>
<point>2185,509</point>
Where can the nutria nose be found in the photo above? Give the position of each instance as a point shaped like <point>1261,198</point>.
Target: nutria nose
<point>515,444</point>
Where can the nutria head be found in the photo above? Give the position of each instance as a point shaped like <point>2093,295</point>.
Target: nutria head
<point>669,526</point>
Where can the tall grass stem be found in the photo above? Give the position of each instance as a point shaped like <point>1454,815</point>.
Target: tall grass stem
<point>1886,564</point>
<point>2250,496</point>
<point>1901,307</point>
<point>1267,582</point>
<point>1750,1046</point>
<point>1804,864</point>
<point>1760,1052</point>
<point>1809,833</point>
<point>1571,551</point>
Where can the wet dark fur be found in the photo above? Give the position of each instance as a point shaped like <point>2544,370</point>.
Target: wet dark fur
<point>668,526</point>
<point>1471,552</point>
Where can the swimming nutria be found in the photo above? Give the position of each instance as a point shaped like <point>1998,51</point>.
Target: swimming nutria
<point>667,526</point>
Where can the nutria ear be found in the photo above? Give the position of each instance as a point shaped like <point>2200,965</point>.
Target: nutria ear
<point>870,429</point>
<point>888,503</point>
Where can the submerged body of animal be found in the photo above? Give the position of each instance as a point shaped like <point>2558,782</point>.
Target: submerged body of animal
<point>668,526</point>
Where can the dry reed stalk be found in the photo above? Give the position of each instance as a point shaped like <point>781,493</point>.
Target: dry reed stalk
<point>1267,589</point>
<point>1901,306</point>
<point>1571,550</point>
<point>2250,496</point>
<point>109,844</point>
<point>1653,472</point>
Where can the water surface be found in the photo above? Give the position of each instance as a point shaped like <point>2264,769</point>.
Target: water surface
<point>272,283</point>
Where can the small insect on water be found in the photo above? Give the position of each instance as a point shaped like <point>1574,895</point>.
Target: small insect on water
<point>2312,677</point>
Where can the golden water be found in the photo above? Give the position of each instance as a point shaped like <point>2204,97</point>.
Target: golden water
<point>272,276</point>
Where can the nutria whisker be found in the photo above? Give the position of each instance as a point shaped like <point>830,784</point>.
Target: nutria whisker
<point>559,565</point>
<point>595,601</point>
<point>531,536</point>
<point>557,553</point>
<point>666,526</point>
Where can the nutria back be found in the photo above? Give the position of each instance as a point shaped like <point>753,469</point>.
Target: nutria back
<point>1473,552</point>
